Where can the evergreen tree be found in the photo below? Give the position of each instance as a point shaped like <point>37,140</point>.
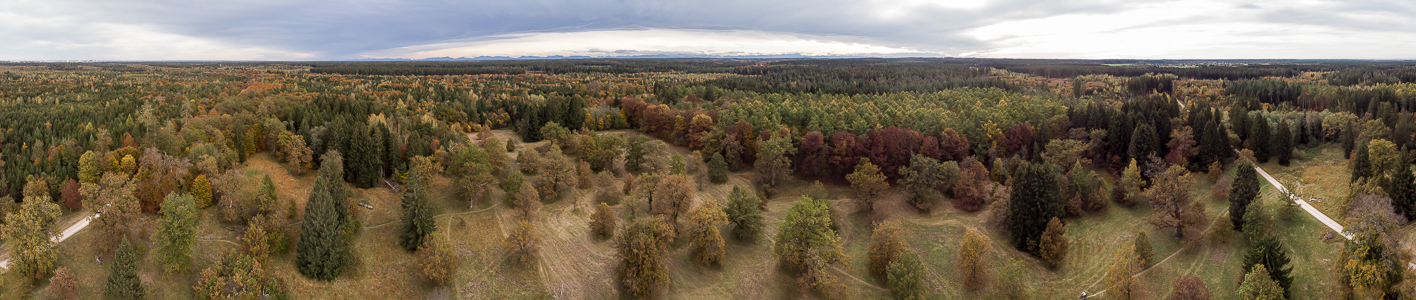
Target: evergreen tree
<point>718,169</point>
<point>417,219</point>
<point>322,252</point>
<point>1034,201</point>
<point>1259,139</point>
<point>1144,252</point>
<point>123,281</point>
<point>1143,142</point>
<point>1283,143</point>
<point>1268,251</point>
<point>1349,141</point>
<point>1258,285</point>
<point>1403,187</point>
<point>1362,165</point>
<point>1243,192</point>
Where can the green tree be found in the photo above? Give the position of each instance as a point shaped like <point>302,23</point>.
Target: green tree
<point>322,252</point>
<point>774,159</point>
<point>29,236</point>
<point>718,169</point>
<point>1268,253</point>
<point>806,244</point>
<point>1258,285</point>
<point>268,202</point>
<point>417,219</point>
<point>1362,164</point>
<point>496,157</point>
<point>744,214</point>
<point>123,281</point>
<point>1033,202</point>
<point>1259,138</point>
<point>1244,191</point>
<point>1145,255</point>
<point>511,186</point>
<point>1144,142</point>
<point>177,232</point>
<point>906,277</point>
<point>1011,284</point>
<point>1283,143</point>
<point>1403,187</point>
<point>92,165</point>
<point>235,276</point>
<point>867,183</point>
<point>920,179</point>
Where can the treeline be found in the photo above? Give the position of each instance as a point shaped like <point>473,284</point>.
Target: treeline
<point>556,66</point>
<point>1371,76</point>
<point>859,76</point>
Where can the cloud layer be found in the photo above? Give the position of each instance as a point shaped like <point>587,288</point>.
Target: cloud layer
<point>353,29</point>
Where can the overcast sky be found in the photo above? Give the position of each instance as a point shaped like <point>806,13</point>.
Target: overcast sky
<point>360,29</point>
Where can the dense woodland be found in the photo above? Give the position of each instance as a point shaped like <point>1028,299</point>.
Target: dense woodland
<point>158,150</point>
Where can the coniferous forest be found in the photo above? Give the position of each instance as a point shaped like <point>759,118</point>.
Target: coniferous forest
<point>708,178</point>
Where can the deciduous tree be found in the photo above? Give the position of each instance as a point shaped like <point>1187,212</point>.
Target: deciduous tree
<point>774,159</point>
<point>1190,287</point>
<point>437,261</point>
<point>744,214</point>
<point>29,236</point>
<point>1175,208</point>
<point>1054,243</point>
<point>867,183</point>
<point>970,262</point>
<point>602,223</point>
<point>641,250</point>
<point>523,244</point>
<point>906,277</point>
<point>177,232</point>
<point>886,245</point>
<point>705,241</point>
<point>920,179</point>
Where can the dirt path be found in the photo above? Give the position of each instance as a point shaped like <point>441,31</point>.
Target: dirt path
<point>68,232</point>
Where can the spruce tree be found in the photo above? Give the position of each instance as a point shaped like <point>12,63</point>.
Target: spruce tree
<point>1349,141</point>
<point>417,219</point>
<point>1362,164</point>
<point>322,252</point>
<point>1259,139</point>
<point>123,281</point>
<point>1143,142</point>
<point>1034,201</point>
<point>1268,251</point>
<point>1403,186</point>
<point>717,169</point>
<point>1243,192</point>
<point>1283,143</point>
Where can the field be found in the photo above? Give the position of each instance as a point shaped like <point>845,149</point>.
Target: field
<point>577,266</point>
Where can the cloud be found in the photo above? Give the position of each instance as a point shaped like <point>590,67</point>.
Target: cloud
<point>344,29</point>
<point>642,42</point>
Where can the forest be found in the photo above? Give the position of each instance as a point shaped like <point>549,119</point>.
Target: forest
<point>911,178</point>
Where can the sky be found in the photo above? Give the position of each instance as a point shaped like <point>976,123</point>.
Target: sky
<point>109,30</point>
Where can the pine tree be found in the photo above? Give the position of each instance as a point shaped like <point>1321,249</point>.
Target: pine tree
<point>1283,143</point>
<point>1268,252</point>
<point>123,281</point>
<point>417,219</point>
<point>1243,192</point>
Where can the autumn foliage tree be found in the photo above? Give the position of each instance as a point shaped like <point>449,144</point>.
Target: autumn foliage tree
<point>704,239</point>
<point>602,223</point>
<point>1054,243</point>
<point>641,250</point>
<point>886,244</point>
<point>523,244</point>
<point>28,235</point>
<point>437,261</point>
<point>970,262</point>
<point>1190,287</point>
<point>1175,208</point>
